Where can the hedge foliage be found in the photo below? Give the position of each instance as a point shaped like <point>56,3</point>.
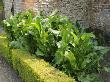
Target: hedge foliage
<point>4,48</point>
<point>30,68</point>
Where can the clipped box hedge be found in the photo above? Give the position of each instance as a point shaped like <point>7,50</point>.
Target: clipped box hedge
<point>30,68</point>
<point>4,49</point>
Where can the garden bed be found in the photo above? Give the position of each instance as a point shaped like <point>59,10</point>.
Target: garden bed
<point>65,45</point>
<point>30,68</point>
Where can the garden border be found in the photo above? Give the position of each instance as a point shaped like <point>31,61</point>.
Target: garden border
<point>30,68</point>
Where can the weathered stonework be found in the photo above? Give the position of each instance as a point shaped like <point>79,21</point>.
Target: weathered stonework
<point>74,9</point>
<point>7,8</point>
<point>101,10</point>
<point>91,13</point>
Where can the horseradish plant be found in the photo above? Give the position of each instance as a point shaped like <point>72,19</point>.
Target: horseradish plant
<point>65,45</point>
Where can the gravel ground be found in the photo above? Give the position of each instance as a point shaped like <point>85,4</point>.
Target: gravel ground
<point>7,74</point>
<point>1,29</point>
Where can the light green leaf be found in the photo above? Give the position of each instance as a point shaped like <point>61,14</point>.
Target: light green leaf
<point>54,31</point>
<point>87,36</point>
<point>39,53</point>
<point>107,69</point>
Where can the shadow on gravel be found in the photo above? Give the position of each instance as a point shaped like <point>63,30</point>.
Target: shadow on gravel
<point>7,74</point>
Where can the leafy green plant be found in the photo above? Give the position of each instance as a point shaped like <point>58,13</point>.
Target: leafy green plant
<point>65,45</point>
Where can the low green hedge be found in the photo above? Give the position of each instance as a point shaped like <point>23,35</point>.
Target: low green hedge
<point>30,68</point>
<point>4,49</point>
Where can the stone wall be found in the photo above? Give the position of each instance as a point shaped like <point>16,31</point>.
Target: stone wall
<point>7,8</point>
<point>90,13</point>
<point>74,9</point>
<point>101,10</point>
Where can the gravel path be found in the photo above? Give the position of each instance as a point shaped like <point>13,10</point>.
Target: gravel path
<point>6,72</point>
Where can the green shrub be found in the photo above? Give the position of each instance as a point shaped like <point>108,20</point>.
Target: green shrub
<point>30,68</point>
<point>65,45</point>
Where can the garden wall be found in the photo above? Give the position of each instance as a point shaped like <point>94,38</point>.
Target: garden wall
<point>90,13</point>
<point>74,9</point>
<point>101,14</point>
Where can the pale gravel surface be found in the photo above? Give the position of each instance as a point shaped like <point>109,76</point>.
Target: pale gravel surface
<point>7,74</point>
